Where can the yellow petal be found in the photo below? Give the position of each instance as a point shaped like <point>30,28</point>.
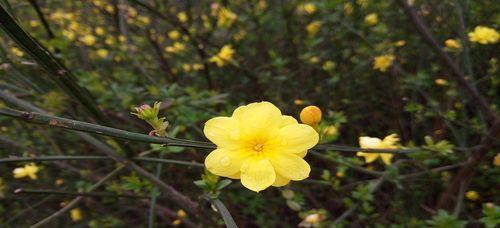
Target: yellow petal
<point>369,142</point>
<point>290,166</point>
<point>386,157</point>
<point>297,138</point>
<point>226,163</point>
<point>19,172</point>
<point>302,154</point>
<point>287,120</point>
<point>260,119</point>
<point>223,131</point>
<point>280,181</point>
<point>369,157</point>
<point>257,174</point>
<point>390,140</point>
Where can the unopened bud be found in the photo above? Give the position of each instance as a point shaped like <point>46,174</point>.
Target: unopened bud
<point>310,115</point>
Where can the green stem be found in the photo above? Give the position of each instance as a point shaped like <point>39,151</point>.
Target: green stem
<point>60,74</point>
<point>69,158</point>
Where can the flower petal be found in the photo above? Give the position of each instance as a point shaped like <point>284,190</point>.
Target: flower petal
<point>280,181</point>
<point>369,157</point>
<point>258,119</point>
<point>297,138</point>
<point>386,157</point>
<point>257,174</point>
<point>369,142</point>
<point>290,166</point>
<point>223,131</point>
<point>226,163</point>
<point>287,120</point>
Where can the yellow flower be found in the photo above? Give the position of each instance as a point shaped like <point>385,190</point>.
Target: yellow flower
<point>99,31</point>
<point>484,35</point>
<point>197,66</point>
<point>109,40</point>
<point>76,214</point>
<point>312,220</point>
<point>348,8</point>
<point>70,35</point>
<point>389,142</point>
<point>176,48</point>
<point>110,9</point>
<point>103,53</point>
<point>314,60</point>
<point>306,8</point>
<point>88,40</point>
<point>226,17</point>
<point>330,130</point>
<point>29,170</point>
<point>496,160</point>
<point>310,115</point>
<point>144,20</point>
<point>472,195</point>
<point>328,65</point>
<point>182,16</point>
<point>59,181</point>
<point>176,222</point>
<point>441,82</point>
<point>34,23</point>
<point>181,214</point>
<point>452,43</point>
<point>259,145</point>
<point>383,62</point>
<point>371,19</point>
<point>174,35</point>
<point>400,43</point>
<point>298,102</point>
<point>313,27</point>
<point>17,52</point>
<point>225,54</point>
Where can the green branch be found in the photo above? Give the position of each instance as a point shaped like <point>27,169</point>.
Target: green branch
<point>60,74</point>
<point>70,158</point>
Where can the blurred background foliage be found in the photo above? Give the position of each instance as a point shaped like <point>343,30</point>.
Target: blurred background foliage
<point>204,58</point>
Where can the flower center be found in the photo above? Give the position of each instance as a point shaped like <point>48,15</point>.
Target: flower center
<point>259,147</point>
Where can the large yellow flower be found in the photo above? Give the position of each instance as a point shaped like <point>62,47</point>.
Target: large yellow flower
<point>259,145</point>
<point>389,142</point>
<point>29,170</point>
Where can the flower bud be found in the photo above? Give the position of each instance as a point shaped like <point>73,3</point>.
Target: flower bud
<point>310,115</point>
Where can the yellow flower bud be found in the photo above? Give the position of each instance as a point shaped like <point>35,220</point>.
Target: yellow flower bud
<point>76,215</point>
<point>310,115</point>
<point>472,195</point>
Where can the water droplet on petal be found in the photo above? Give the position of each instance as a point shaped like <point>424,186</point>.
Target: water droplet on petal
<point>225,161</point>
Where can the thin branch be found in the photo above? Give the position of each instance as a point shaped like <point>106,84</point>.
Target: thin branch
<point>69,193</point>
<point>71,158</point>
<point>222,210</point>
